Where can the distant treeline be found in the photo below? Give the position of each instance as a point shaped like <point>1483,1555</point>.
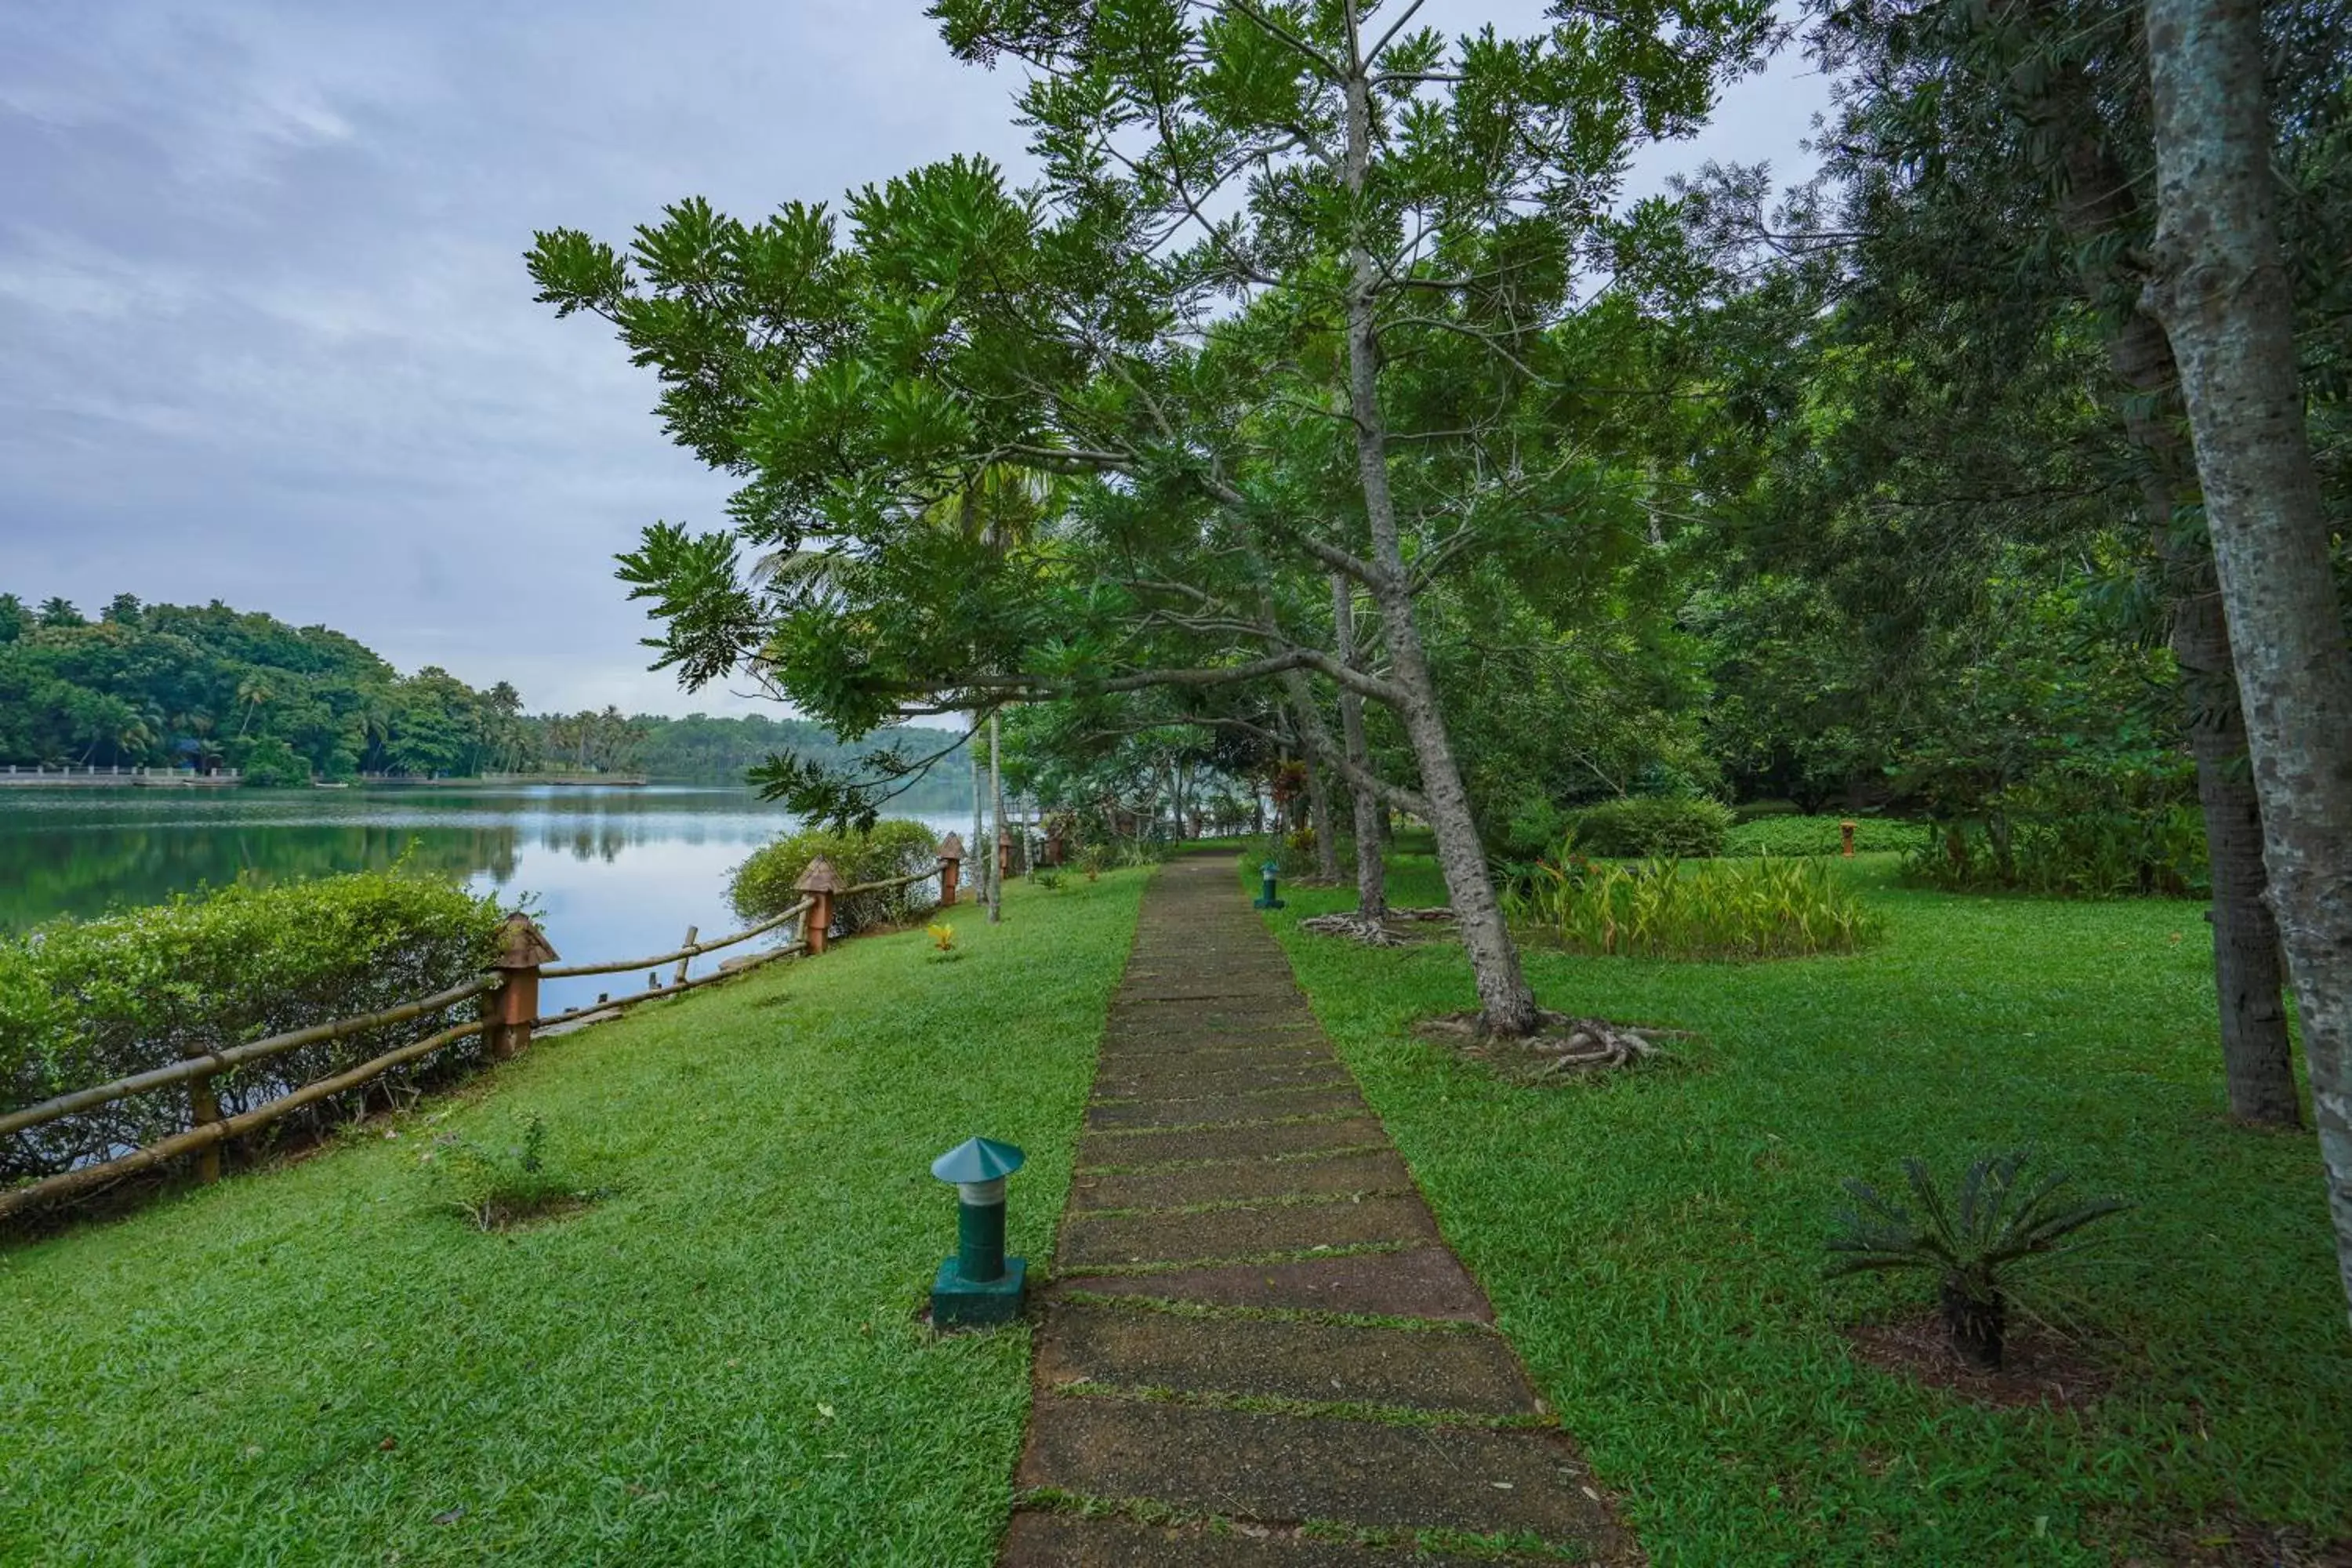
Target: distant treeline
<point>211,687</point>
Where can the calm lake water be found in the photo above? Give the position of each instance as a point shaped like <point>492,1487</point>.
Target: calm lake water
<point>614,873</point>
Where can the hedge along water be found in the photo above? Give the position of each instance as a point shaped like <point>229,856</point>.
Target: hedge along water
<point>89,1002</point>
<point>610,870</point>
<point>503,1024</point>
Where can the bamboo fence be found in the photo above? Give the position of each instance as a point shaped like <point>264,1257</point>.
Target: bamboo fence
<point>212,1130</point>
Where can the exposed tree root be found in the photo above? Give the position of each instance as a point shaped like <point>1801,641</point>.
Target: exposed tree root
<point>1354,927</point>
<point>1562,1047</point>
<point>1400,930</point>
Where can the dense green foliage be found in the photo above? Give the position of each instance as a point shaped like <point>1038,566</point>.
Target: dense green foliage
<point>1676,826</point>
<point>713,750</point>
<point>166,685</point>
<point>1752,907</point>
<point>1675,1315</point>
<point>2057,842</point>
<point>85,1001</point>
<point>1786,835</point>
<point>718,1362</point>
<point>762,886</point>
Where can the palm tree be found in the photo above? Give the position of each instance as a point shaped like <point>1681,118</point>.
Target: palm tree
<point>253,692</point>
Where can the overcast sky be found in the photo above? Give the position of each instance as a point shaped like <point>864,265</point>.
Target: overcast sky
<point>264,331</point>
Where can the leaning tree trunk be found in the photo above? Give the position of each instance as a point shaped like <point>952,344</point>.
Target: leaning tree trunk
<point>2220,289</point>
<point>1371,873</point>
<point>1506,1003</point>
<point>2098,208</point>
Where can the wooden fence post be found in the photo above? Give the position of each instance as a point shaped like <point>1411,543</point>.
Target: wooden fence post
<point>204,1106</point>
<point>679,978</point>
<point>1845,830</point>
<point>820,882</point>
<point>523,948</point>
<point>950,868</point>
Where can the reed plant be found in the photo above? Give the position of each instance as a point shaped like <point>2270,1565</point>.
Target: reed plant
<point>1759,907</point>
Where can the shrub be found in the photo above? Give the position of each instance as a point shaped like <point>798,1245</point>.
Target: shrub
<point>1133,852</point>
<point>1761,908</point>
<point>1756,810</point>
<point>272,763</point>
<point>499,1185</point>
<point>2092,854</point>
<point>1822,835</point>
<point>1534,828</point>
<point>1683,828</point>
<point>761,887</point>
<point>85,1001</point>
<point>2000,1223</point>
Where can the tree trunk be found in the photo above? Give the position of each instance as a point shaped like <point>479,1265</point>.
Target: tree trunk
<point>1318,795</point>
<point>2220,288</point>
<point>1507,1003</point>
<point>2257,1056</point>
<point>1371,873</point>
<point>2257,1060</point>
<point>999,850</point>
<point>977,850</point>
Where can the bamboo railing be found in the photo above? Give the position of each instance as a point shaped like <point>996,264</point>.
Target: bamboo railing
<point>508,1017</point>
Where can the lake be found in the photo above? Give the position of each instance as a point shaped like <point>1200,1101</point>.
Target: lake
<point>612,873</point>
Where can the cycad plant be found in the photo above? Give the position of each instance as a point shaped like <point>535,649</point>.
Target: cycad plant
<point>2003,1221</point>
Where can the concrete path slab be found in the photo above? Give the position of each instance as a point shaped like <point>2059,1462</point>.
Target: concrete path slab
<point>1124,1147</point>
<point>1172,1108</point>
<point>1328,1364</point>
<point>1421,1282</point>
<point>1379,1171</point>
<point>1249,1466</point>
<point>1067,1540</point>
<point>1240,1229</point>
<point>1207,1235</point>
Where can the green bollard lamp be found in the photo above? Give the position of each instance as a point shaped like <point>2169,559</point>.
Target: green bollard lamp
<point>1267,900</point>
<point>979,1288</point>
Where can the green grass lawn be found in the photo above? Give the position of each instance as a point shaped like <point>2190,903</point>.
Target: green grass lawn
<point>720,1362</point>
<point>1652,1243</point>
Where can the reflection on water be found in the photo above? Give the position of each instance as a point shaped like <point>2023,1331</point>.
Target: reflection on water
<point>613,873</point>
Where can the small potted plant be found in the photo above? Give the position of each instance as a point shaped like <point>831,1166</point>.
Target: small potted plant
<point>2001,1222</point>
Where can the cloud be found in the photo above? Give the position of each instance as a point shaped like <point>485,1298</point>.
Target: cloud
<point>270,337</point>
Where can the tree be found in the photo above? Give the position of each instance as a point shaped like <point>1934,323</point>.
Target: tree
<point>1220,389</point>
<point>59,615</point>
<point>13,617</point>
<point>2222,289</point>
<point>1990,161</point>
<point>123,610</point>
<point>254,692</point>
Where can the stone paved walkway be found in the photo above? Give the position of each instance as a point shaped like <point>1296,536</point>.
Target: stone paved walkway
<point>1255,1327</point>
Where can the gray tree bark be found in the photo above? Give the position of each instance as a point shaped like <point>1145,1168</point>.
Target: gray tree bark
<point>1507,1003</point>
<point>996,850</point>
<point>1319,799</point>
<point>976,850</point>
<point>2220,285</point>
<point>2257,1059</point>
<point>1372,872</point>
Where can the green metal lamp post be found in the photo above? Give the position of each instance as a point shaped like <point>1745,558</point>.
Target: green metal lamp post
<point>979,1288</point>
<point>1267,900</point>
